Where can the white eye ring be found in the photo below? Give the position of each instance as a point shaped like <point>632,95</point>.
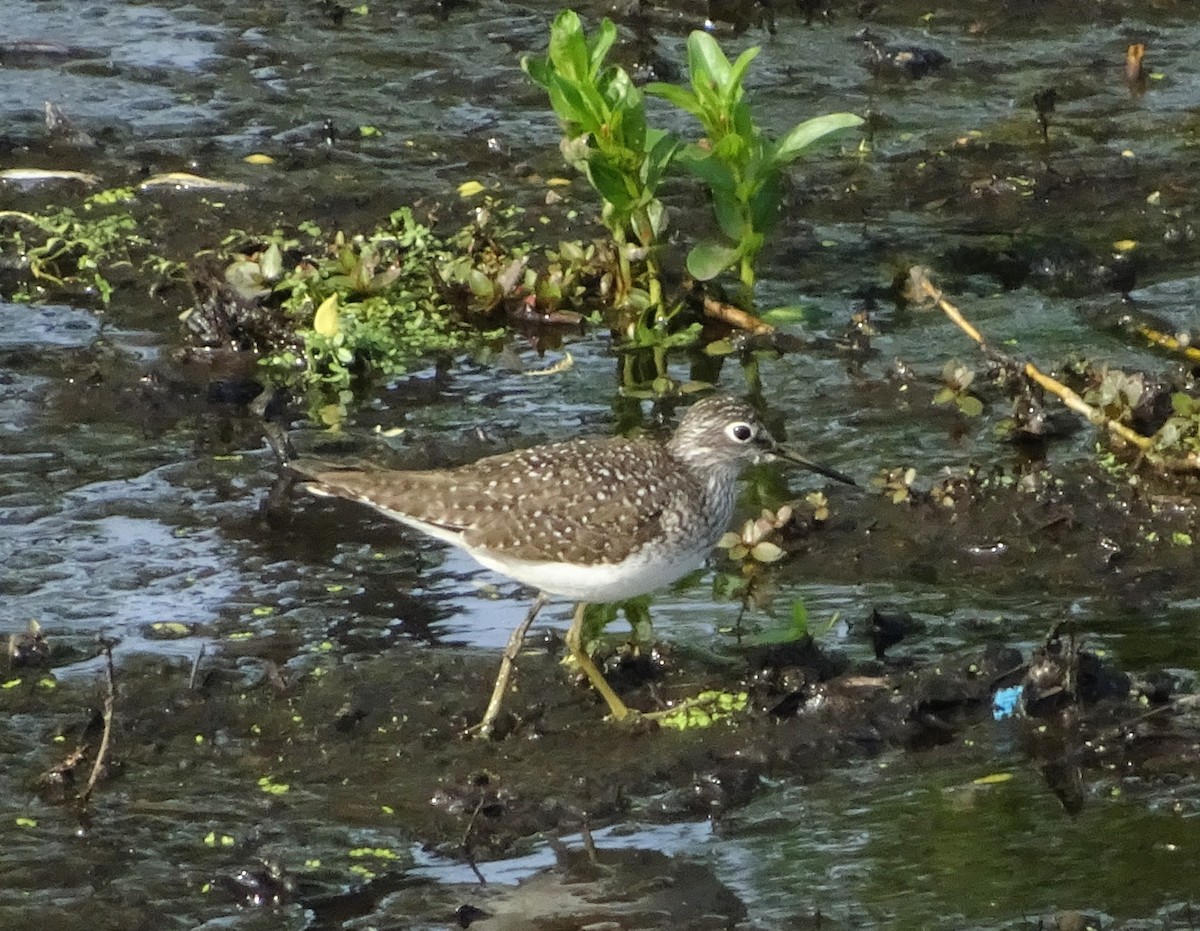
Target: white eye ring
<point>740,432</point>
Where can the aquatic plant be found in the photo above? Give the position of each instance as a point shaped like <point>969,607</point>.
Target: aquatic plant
<point>1111,403</point>
<point>367,303</point>
<point>330,313</point>
<point>74,251</point>
<point>957,380</point>
<point>1180,434</point>
<point>606,137</point>
<point>490,265</point>
<point>742,166</point>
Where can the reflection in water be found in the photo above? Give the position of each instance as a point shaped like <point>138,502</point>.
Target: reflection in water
<point>906,845</point>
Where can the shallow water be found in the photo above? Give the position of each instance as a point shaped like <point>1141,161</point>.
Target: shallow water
<point>887,846</point>
<point>130,498</point>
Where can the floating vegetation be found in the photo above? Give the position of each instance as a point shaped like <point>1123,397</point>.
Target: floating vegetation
<point>327,313</point>
<point>74,251</point>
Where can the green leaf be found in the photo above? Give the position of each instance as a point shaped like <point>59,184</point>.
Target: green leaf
<point>654,218</point>
<point>802,136</point>
<point>707,63</point>
<point>709,259</point>
<point>765,203</point>
<point>676,95</point>
<point>766,551</point>
<point>792,313</point>
<point>598,48</point>
<point>271,262</point>
<point>577,104</point>
<point>571,251</point>
<point>630,129</point>
<point>568,51</point>
<point>732,92</point>
<point>799,618</point>
<point>731,217</point>
<point>795,630</point>
<point>709,169</point>
<point>661,149</point>
<point>609,181</point>
<point>481,285</point>
<point>970,405</point>
<point>735,149</point>
<point>537,68</point>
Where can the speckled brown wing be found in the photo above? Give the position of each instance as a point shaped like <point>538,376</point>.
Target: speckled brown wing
<point>580,502</point>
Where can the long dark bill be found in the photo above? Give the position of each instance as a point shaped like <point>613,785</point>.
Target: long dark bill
<point>806,463</point>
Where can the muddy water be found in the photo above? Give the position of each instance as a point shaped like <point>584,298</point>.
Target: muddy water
<point>292,674</point>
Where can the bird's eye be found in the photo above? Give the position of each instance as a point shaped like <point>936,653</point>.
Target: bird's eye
<point>742,432</point>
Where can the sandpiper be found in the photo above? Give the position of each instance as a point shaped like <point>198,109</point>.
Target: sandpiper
<point>593,520</point>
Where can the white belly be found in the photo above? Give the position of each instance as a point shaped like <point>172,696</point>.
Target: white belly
<point>603,583</point>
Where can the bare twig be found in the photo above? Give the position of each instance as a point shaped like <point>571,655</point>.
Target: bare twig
<point>1167,341</point>
<point>1081,407</point>
<point>468,848</point>
<point>589,843</point>
<point>110,691</point>
<point>735,316</point>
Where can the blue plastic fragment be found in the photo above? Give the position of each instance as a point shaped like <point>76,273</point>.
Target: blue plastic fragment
<point>1004,702</point>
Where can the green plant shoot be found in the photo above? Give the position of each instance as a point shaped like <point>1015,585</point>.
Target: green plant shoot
<point>605,136</point>
<point>742,167</point>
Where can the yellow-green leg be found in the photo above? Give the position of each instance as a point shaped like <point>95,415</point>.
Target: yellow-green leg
<point>616,707</point>
<point>511,651</point>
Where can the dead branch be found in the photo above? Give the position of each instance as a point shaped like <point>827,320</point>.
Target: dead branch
<point>1167,341</point>
<point>110,691</point>
<point>734,316</point>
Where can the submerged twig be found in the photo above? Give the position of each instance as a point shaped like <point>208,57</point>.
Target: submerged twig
<point>1167,341</point>
<point>920,289</point>
<point>589,843</point>
<point>110,691</point>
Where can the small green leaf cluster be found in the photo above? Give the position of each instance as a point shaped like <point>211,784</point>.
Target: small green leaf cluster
<point>75,252</point>
<point>705,710</point>
<point>1117,394</point>
<point>956,389</point>
<point>1180,434</point>
<point>356,307</point>
<point>753,543</point>
<point>599,616</point>
<point>489,265</point>
<point>360,304</point>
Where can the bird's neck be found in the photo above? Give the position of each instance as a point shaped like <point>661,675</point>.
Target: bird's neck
<point>720,491</point>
